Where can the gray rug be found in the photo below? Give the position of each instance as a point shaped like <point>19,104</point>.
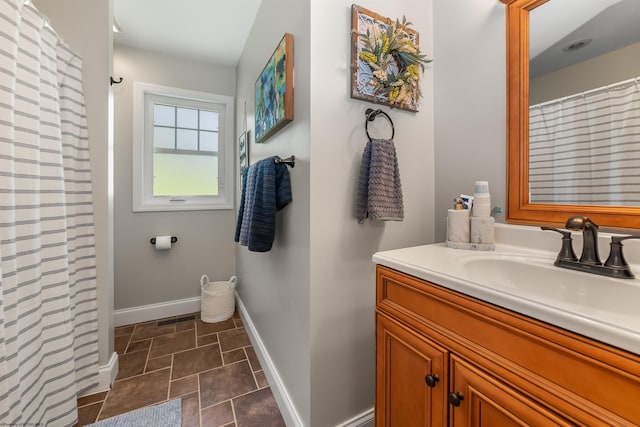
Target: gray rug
<point>168,414</point>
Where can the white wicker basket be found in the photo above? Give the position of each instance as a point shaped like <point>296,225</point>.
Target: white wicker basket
<point>217,302</point>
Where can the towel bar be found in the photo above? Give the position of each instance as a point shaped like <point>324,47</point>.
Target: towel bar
<point>289,161</point>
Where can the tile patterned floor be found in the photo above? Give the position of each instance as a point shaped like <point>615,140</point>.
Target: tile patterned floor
<point>211,366</point>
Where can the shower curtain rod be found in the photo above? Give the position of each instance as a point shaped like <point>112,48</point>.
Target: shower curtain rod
<point>45,18</point>
<point>613,86</point>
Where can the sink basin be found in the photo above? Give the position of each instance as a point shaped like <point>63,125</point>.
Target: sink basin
<point>536,277</point>
<point>526,281</point>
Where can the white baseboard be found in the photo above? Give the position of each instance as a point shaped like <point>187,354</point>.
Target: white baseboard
<point>279,390</point>
<point>365,419</point>
<point>106,376</point>
<point>144,313</point>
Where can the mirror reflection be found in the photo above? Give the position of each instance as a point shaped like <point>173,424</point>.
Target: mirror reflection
<point>584,103</point>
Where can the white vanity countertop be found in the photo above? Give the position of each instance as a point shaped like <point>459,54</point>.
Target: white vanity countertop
<point>524,280</point>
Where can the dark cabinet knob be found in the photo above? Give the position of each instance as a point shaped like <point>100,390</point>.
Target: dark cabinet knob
<point>455,398</point>
<point>431,380</point>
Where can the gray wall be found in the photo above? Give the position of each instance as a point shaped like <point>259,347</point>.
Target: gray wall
<point>312,297</point>
<point>470,99</point>
<point>274,286</point>
<point>205,238</point>
<point>342,276</point>
<point>613,67</point>
<point>87,30</point>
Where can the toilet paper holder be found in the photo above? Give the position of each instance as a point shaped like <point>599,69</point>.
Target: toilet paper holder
<point>173,240</point>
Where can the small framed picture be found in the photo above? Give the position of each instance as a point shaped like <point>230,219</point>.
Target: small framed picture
<point>243,151</point>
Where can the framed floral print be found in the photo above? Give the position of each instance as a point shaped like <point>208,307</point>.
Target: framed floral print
<point>386,63</point>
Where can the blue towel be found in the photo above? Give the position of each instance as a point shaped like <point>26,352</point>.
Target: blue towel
<point>264,192</point>
<point>248,204</point>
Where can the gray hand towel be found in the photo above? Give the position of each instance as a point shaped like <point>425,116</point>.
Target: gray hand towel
<point>379,188</point>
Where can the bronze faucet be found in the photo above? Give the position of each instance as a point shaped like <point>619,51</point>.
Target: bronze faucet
<point>615,266</point>
<point>589,238</point>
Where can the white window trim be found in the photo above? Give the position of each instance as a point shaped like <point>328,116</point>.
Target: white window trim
<point>143,199</point>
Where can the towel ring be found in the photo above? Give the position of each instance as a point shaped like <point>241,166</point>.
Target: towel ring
<point>371,115</point>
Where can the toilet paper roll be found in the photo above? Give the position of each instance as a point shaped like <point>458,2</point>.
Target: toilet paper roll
<point>458,225</point>
<point>163,242</point>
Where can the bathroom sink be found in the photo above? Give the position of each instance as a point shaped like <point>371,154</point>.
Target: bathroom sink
<point>537,277</point>
<point>525,280</point>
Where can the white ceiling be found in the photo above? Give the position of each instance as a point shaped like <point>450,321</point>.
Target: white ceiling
<point>215,31</point>
<point>610,24</point>
<point>554,20</point>
<point>212,31</point>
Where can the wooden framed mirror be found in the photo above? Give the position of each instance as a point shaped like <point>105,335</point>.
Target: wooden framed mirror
<point>520,209</point>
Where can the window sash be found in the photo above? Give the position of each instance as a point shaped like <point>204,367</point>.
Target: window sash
<point>145,97</point>
<point>201,128</point>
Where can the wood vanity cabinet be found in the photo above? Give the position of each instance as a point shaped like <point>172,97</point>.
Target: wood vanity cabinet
<point>444,358</point>
<point>410,371</point>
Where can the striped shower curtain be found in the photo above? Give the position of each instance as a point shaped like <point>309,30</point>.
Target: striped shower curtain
<point>48,308</point>
<point>585,148</point>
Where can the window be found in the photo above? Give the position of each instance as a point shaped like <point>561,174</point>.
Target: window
<point>183,150</point>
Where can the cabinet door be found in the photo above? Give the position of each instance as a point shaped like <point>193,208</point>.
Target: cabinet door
<point>477,399</point>
<point>411,381</point>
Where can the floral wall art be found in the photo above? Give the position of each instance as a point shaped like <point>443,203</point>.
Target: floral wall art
<point>386,62</point>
